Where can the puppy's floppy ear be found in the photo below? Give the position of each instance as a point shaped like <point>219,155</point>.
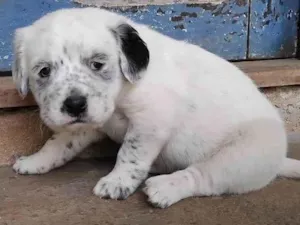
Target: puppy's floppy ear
<point>19,70</point>
<point>134,54</point>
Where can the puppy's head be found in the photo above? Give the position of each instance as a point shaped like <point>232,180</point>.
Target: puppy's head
<point>75,62</point>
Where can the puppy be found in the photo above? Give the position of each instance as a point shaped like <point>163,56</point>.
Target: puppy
<point>177,109</point>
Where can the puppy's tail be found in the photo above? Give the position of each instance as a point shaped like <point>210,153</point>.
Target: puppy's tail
<point>290,168</point>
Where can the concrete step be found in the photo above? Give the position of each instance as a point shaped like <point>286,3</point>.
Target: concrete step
<point>64,196</point>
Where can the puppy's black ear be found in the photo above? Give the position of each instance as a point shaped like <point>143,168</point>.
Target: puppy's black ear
<point>134,54</point>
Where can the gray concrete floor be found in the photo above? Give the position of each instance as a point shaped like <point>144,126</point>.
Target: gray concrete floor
<point>64,196</point>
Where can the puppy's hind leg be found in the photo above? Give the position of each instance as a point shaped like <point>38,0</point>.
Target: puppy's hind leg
<point>248,162</point>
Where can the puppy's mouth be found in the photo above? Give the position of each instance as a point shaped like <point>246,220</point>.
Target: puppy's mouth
<point>77,121</point>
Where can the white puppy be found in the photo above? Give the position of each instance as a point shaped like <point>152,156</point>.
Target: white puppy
<point>176,108</point>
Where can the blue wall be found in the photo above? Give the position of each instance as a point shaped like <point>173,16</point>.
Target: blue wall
<point>273,28</point>
<point>222,29</point>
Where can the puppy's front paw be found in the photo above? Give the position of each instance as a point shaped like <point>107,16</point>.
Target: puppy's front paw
<point>164,190</point>
<point>29,165</point>
<point>115,187</point>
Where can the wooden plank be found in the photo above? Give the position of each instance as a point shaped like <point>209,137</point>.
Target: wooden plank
<point>272,73</point>
<point>219,27</point>
<point>273,28</point>
<point>268,73</point>
<point>9,96</point>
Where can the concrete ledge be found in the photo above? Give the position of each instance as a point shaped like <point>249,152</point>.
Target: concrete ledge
<point>267,73</point>
<point>286,100</point>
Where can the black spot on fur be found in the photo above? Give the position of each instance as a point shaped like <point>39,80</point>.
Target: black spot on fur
<point>55,65</point>
<point>124,193</point>
<point>66,53</point>
<point>133,146</point>
<point>70,145</point>
<point>45,98</point>
<point>122,160</point>
<point>133,162</point>
<point>51,96</point>
<point>140,174</point>
<point>133,177</point>
<point>105,108</point>
<point>132,140</point>
<point>186,177</point>
<point>134,49</point>
<point>192,107</point>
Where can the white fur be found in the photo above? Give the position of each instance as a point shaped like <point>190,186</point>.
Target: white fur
<point>191,114</point>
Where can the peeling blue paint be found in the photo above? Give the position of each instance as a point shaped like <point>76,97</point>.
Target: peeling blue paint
<point>273,28</point>
<point>221,29</point>
<point>19,13</point>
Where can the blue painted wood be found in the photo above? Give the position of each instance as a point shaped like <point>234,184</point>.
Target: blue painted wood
<point>221,29</point>
<point>273,28</point>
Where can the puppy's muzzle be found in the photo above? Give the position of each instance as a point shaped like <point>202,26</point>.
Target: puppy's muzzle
<point>75,105</point>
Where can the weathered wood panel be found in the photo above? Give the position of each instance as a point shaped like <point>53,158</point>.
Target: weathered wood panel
<point>272,73</point>
<point>273,28</point>
<point>220,28</point>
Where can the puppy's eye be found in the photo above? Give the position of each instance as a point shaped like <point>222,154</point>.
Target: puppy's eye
<point>45,72</point>
<point>96,66</point>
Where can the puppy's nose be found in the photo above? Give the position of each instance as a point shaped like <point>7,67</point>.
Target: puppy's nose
<point>75,105</point>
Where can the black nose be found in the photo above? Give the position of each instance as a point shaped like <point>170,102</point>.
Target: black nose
<point>75,105</point>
